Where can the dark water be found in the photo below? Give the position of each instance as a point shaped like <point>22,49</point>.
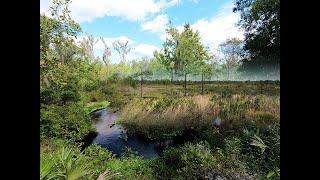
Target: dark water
<point>114,137</point>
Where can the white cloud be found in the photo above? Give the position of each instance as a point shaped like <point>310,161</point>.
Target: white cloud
<point>88,10</point>
<point>157,25</point>
<point>217,29</point>
<point>213,31</point>
<point>163,36</point>
<point>144,50</point>
<point>44,7</point>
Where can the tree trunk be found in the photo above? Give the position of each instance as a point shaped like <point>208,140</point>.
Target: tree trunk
<point>171,76</point>
<point>228,69</point>
<point>185,84</point>
<point>172,82</point>
<point>141,86</point>
<point>202,83</point>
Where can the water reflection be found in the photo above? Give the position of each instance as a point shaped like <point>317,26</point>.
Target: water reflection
<point>114,137</point>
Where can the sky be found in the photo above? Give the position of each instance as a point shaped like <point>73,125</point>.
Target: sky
<point>143,22</point>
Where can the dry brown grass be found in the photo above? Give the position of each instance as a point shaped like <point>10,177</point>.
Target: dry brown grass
<point>183,111</point>
<point>164,115</point>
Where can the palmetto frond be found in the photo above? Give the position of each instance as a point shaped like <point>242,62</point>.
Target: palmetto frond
<point>258,142</point>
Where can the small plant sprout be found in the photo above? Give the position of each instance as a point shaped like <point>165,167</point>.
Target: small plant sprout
<point>258,142</point>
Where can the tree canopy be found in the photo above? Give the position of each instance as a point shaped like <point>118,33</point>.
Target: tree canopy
<point>261,21</point>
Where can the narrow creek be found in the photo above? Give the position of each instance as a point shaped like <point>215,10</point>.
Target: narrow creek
<point>114,138</point>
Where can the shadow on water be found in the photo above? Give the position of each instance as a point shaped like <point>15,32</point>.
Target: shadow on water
<point>114,138</point>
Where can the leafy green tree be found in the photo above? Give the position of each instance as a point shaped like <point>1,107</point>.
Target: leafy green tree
<point>167,56</point>
<point>261,21</point>
<point>190,52</point>
<point>182,52</point>
<point>57,36</point>
<point>166,61</point>
<point>65,30</point>
<point>159,71</point>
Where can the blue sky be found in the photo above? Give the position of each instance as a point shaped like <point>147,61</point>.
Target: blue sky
<point>142,22</point>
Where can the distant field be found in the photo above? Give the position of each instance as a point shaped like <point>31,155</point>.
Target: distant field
<point>164,106</point>
<point>165,88</point>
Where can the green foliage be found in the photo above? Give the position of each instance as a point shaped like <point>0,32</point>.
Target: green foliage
<point>72,164</point>
<point>98,157</point>
<point>191,161</point>
<point>132,167</point>
<point>190,50</point>
<point>73,84</point>
<point>95,106</point>
<point>47,168</point>
<point>63,162</point>
<point>160,104</point>
<point>214,137</point>
<point>182,52</point>
<point>69,122</point>
<point>263,154</point>
<point>168,57</point>
<point>56,38</point>
<point>258,142</point>
<point>130,81</point>
<point>68,81</point>
<point>261,21</point>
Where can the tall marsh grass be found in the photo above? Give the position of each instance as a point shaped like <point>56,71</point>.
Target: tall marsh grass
<point>163,117</point>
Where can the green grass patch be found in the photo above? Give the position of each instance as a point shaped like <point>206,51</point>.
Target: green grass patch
<point>93,106</point>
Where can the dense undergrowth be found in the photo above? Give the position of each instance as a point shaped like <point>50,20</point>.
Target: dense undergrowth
<point>245,146</point>
<point>250,153</point>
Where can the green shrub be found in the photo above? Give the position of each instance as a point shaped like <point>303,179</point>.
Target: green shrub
<point>64,163</point>
<point>68,122</point>
<point>99,158</point>
<point>70,96</point>
<point>114,77</point>
<point>90,107</point>
<point>259,147</point>
<point>191,161</point>
<point>49,96</point>
<point>132,167</point>
<point>129,81</point>
<point>262,150</point>
<point>47,167</point>
<point>214,137</point>
<point>93,160</point>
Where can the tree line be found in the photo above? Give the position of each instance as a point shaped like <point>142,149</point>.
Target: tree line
<point>183,55</point>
